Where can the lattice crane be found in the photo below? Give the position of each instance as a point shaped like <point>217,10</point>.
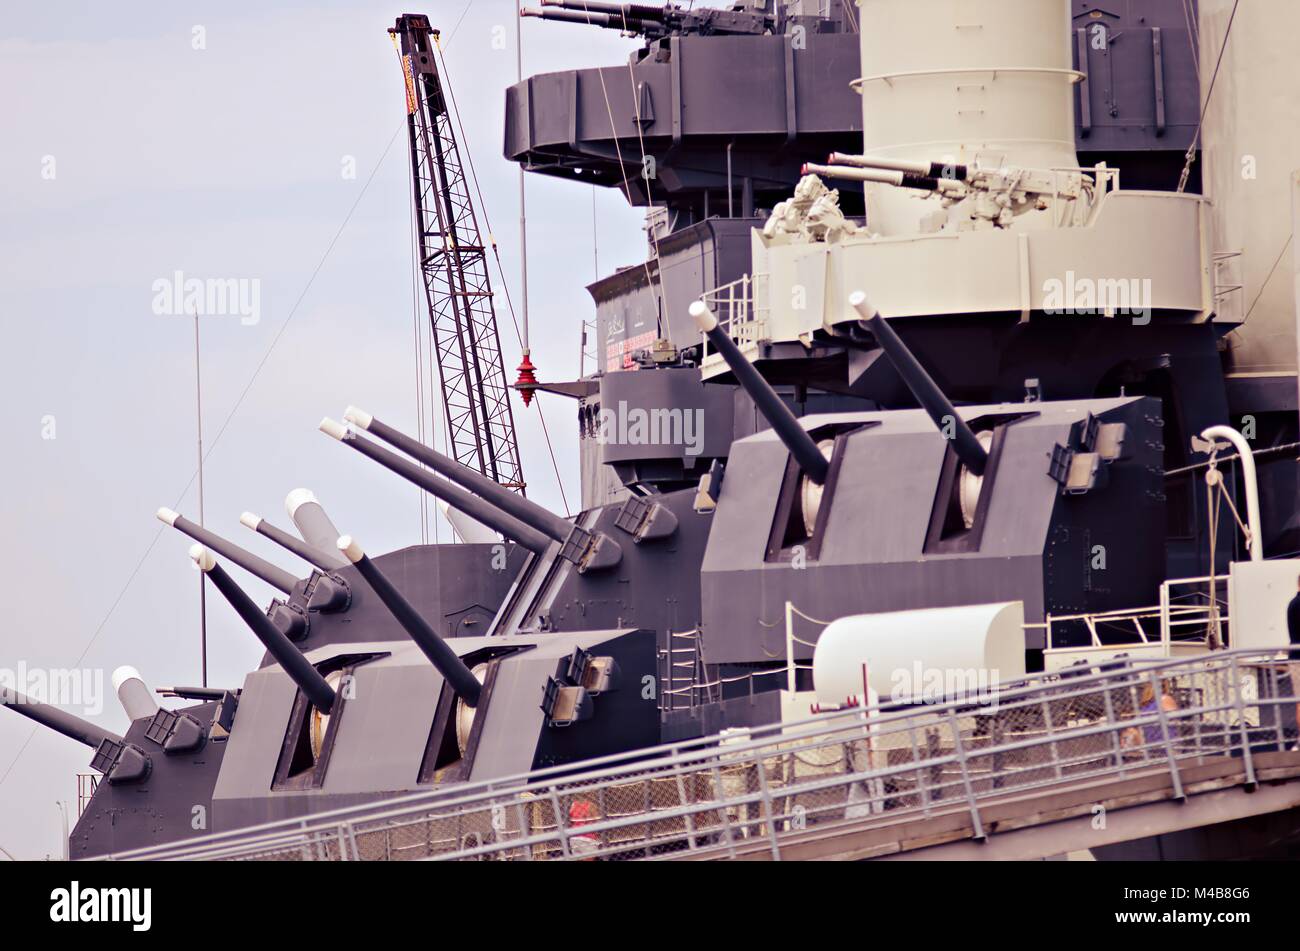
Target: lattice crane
<point>453,262</point>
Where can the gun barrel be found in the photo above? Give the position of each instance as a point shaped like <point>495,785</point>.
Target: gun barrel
<point>325,561</point>
<point>313,524</point>
<point>133,693</point>
<point>272,575</point>
<point>951,171</point>
<point>442,657</point>
<point>880,175</point>
<point>473,506</point>
<point>782,420</point>
<point>299,669</point>
<point>73,727</point>
<point>923,387</point>
<point>638,11</point>
<point>530,513</point>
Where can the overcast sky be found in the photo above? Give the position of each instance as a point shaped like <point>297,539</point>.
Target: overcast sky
<point>126,155</point>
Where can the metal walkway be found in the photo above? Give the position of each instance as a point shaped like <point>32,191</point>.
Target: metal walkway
<point>1063,763</point>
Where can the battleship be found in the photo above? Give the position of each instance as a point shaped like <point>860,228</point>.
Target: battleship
<point>938,472</point>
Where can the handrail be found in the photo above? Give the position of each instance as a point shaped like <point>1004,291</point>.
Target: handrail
<point>820,733</point>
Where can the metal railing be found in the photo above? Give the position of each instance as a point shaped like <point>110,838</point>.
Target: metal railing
<point>739,313</point>
<point>847,769</point>
<point>1190,617</point>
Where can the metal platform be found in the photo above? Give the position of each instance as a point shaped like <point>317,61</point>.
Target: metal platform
<point>1061,763</point>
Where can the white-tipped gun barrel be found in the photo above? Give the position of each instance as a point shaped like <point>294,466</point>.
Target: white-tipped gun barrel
<point>783,422</point>
<point>299,669</point>
<point>573,16</point>
<point>471,504</point>
<point>881,176</point>
<point>513,504</point>
<point>640,11</point>
<point>923,387</point>
<point>322,559</point>
<point>310,519</point>
<point>274,576</point>
<point>136,698</point>
<point>73,727</point>
<point>951,171</point>
<point>442,657</point>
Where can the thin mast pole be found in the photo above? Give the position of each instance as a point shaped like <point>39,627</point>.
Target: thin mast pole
<point>203,590</point>
<point>523,214</point>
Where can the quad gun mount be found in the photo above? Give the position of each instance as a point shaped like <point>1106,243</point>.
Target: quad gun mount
<point>997,195</point>
<point>655,22</point>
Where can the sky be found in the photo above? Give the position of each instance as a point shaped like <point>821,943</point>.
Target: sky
<point>216,140</point>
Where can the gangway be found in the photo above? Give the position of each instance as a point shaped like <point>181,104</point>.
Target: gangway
<point>1066,761</point>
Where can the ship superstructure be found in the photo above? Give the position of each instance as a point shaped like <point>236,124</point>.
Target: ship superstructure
<point>936,362</point>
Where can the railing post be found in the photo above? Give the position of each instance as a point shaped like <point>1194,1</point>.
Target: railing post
<point>789,647</point>
<point>767,807</point>
<point>1247,756</point>
<point>1116,729</point>
<point>560,829</point>
<point>1051,733</point>
<point>725,810</point>
<point>960,749</point>
<point>1158,692</point>
<point>922,786</point>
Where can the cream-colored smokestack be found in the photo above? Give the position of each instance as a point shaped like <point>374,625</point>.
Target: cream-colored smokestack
<point>975,81</point>
<point>1251,153</point>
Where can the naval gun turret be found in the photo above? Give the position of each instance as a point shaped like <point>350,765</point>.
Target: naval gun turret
<point>1056,505</point>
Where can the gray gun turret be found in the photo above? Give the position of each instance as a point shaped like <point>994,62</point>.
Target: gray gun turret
<point>655,22</point>
<point>442,657</point>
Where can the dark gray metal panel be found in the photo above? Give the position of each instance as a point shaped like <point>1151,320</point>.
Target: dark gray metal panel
<point>1128,68</point>
<point>256,738</point>
<point>662,391</point>
<point>385,727</point>
<point>166,806</point>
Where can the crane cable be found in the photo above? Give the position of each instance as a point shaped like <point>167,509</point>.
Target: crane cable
<point>627,185</point>
<point>454,112</point>
<point>1196,136</point>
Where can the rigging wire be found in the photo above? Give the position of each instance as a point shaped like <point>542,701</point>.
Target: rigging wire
<point>234,409</point>
<point>627,185</point>
<point>224,426</point>
<point>1196,136</point>
<point>454,112</point>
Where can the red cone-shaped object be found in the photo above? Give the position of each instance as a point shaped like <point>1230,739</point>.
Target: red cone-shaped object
<point>527,381</point>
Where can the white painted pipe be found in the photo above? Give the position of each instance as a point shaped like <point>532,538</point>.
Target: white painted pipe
<point>1248,476</point>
